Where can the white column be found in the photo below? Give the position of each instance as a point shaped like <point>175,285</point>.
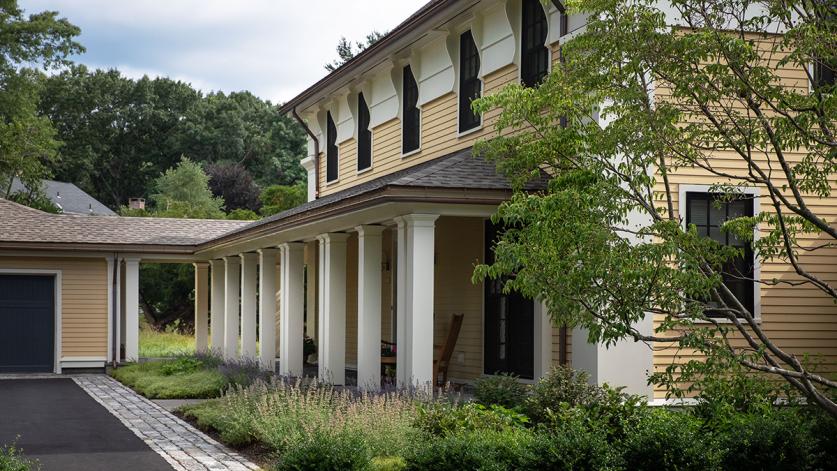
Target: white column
<point>332,347</point>
<point>201,306</point>
<point>419,280</point>
<point>249,279</point>
<point>402,340</point>
<point>292,322</point>
<point>232,293</point>
<point>369,247</point>
<point>132,309</point>
<point>216,309</point>
<point>267,309</point>
<point>543,339</point>
<point>311,294</point>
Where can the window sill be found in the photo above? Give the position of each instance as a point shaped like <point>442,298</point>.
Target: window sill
<point>332,182</point>
<point>411,153</point>
<point>727,321</point>
<point>365,170</point>
<point>469,131</point>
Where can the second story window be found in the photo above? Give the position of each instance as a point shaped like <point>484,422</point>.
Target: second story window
<point>824,74</point>
<point>470,86</point>
<point>534,55</point>
<point>708,212</point>
<point>364,135</point>
<point>331,149</point>
<point>411,120</point>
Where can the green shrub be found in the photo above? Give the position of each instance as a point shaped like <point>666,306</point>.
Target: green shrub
<point>388,463</point>
<point>12,459</point>
<point>327,452</point>
<point>181,365</point>
<point>573,443</point>
<point>561,385</point>
<point>441,418</point>
<point>156,380</point>
<point>668,440</point>
<point>503,389</point>
<point>487,450</point>
<point>780,439</point>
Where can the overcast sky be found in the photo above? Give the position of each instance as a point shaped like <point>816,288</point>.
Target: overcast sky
<point>274,48</point>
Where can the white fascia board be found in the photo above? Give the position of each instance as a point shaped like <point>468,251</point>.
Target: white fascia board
<point>498,43</point>
<point>437,72</point>
<point>383,98</point>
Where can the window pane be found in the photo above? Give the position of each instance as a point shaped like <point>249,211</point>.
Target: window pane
<point>534,61</point>
<point>470,86</point>
<point>331,149</point>
<point>411,113</point>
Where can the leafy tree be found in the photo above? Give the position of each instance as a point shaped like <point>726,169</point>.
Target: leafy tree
<point>27,141</point>
<point>183,192</point>
<point>278,198</point>
<point>604,246</point>
<point>233,183</point>
<point>242,215</point>
<point>346,50</point>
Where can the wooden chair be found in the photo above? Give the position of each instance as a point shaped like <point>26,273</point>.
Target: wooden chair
<point>441,364</point>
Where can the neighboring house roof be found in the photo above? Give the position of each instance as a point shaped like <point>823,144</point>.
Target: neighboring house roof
<point>24,227</point>
<point>67,197</point>
<point>456,171</point>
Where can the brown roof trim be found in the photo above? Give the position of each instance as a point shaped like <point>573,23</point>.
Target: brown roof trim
<point>407,26</point>
<point>388,194</point>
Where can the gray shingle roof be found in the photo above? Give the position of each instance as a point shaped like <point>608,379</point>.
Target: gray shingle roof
<point>68,197</point>
<point>19,223</point>
<point>459,170</point>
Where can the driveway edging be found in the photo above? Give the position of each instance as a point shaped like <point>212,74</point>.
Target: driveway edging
<point>184,447</point>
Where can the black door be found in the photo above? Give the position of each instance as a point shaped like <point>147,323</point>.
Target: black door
<point>509,324</point>
<point>27,323</point>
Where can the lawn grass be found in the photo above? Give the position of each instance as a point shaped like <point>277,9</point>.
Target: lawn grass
<point>155,380</point>
<point>153,344</point>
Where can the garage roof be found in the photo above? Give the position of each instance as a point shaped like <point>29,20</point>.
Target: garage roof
<point>23,227</point>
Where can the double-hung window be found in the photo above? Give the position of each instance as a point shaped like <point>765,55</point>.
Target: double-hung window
<point>470,86</point>
<point>411,116</point>
<point>534,55</point>
<point>331,149</point>
<point>364,135</point>
<point>824,74</point>
<point>708,212</point>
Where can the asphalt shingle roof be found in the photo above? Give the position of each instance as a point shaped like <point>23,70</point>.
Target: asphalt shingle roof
<point>459,170</point>
<point>19,223</point>
<point>68,197</point>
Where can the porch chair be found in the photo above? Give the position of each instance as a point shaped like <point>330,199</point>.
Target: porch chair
<point>441,364</point>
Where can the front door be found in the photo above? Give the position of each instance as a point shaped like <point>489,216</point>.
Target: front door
<point>509,324</point>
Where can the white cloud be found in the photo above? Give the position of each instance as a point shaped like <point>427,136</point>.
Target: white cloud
<point>273,48</point>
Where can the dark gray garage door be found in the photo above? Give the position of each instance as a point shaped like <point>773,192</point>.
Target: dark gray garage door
<point>27,323</point>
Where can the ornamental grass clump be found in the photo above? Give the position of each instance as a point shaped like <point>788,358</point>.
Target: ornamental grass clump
<point>284,415</point>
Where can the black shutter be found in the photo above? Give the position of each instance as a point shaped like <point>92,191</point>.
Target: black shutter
<point>364,135</point>
<point>331,149</point>
<point>412,115</point>
<point>470,86</point>
<point>534,60</point>
<point>708,212</point>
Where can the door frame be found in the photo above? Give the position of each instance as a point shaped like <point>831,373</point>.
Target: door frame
<point>56,285</point>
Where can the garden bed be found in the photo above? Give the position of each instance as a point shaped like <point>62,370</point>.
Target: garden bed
<point>186,377</point>
<point>560,423</point>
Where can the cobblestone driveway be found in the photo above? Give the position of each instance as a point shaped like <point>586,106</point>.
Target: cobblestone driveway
<point>180,444</point>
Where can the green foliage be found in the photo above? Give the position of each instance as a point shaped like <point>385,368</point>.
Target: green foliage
<point>604,245</point>
<point>12,459</point>
<point>477,449</point>
<point>669,440</point>
<point>502,389</point>
<point>445,418</point>
<point>561,386</point>
<point>232,182</point>
<point>166,296</point>
<point>241,214</point>
<point>162,344</point>
<point>278,198</point>
<point>574,443</point>
<point>119,133</point>
<point>327,452</point>
<point>154,381</point>
<point>183,192</point>
<point>181,365</point>
<point>34,199</point>
<point>346,50</point>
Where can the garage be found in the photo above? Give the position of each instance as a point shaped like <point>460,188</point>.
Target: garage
<point>27,323</point>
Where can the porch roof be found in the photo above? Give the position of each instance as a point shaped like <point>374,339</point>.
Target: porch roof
<point>22,227</point>
<point>458,177</point>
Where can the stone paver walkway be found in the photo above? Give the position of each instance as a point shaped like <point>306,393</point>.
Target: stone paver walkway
<point>180,444</point>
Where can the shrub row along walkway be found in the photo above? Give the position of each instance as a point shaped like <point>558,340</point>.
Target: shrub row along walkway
<point>180,444</point>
